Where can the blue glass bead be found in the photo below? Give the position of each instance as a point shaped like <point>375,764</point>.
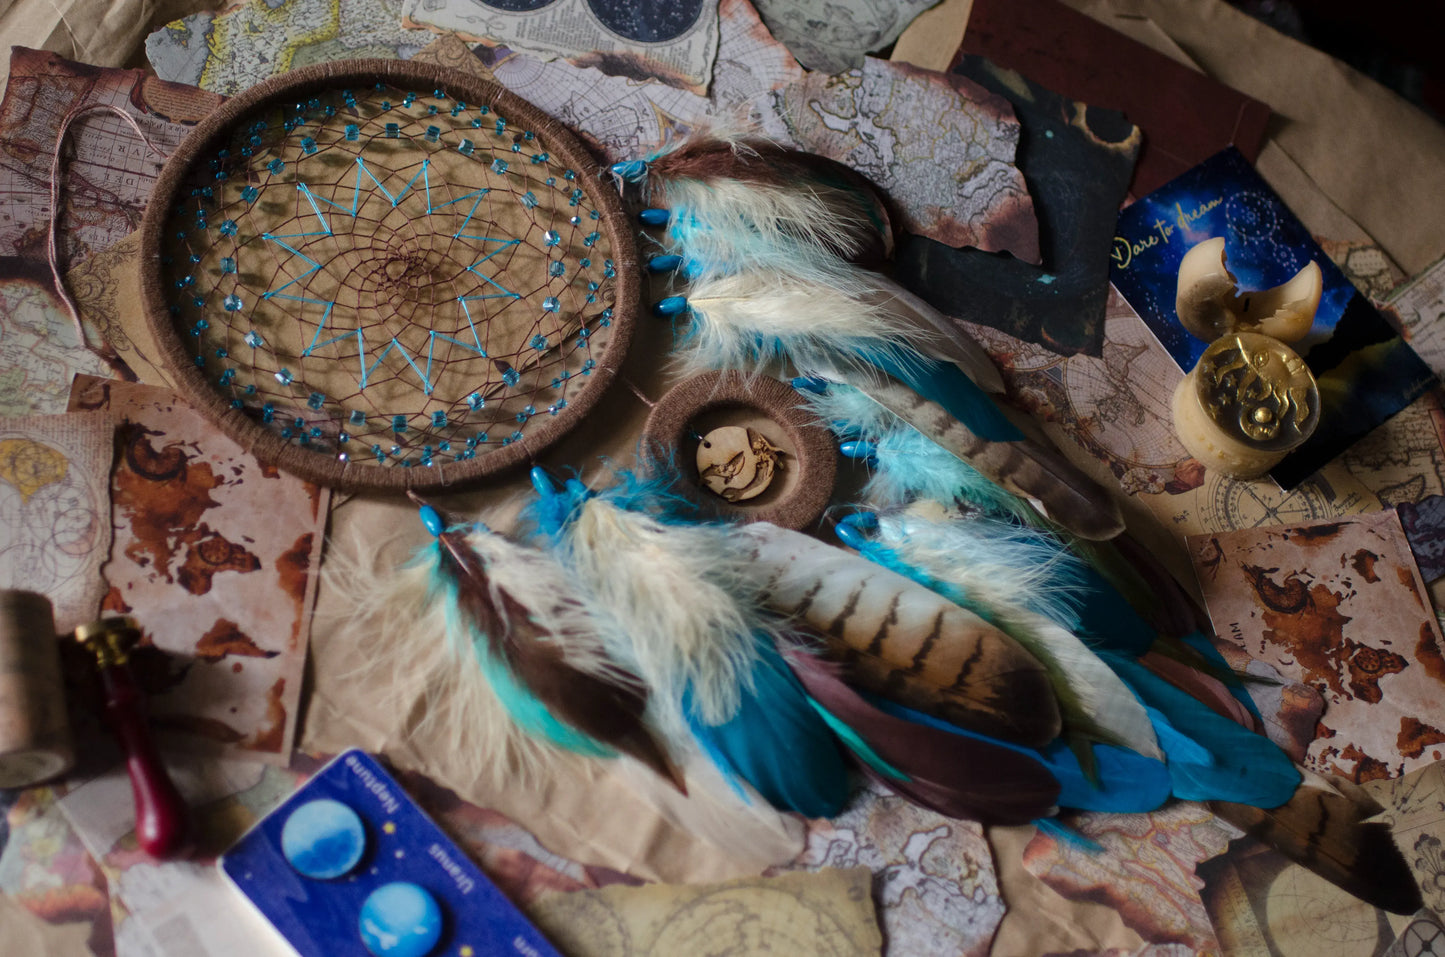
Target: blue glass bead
<point>228,227</point>
<point>398,423</point>
<point>200,362</point>
<point>465,147</point>
<point>316,400</point>
<point>268,412</point>
<point>501,126</point>
<point>222,353</point>
<point>408,100</point>
<point>185,281</point>
<point>592,287</point>
<point>575,220</point>
<point>653,217</point>
<point>551,238</point>
<point>343,437</point>
<point>484,109</point>
<point>444,447</point>
<point>529,200</point>
<point>284,377</point>
<point>586,263</point>
<point>308,145</point>
<point>516,147</point>
<point>353,132</point>
<point>198,302</point>
<point>226,377</point>
<point>250,389</point>
<point>550,304</point>
<point>540,158</point>
<point>594,214</point>
<point>275,166</point>
<point>439,419</point>
<point>357,417</point>
<point>569,174</point>
<point>556,269</point>
<point>510,376</point>
<point>433,133</point>
<point>539,342</point>
<point>250,193</point>
<point>314,432</point>
<point>228,265</point>
<point>200,327</point>
<point>476,124</point>
<point>237,404</point>
<point>298,422</point>
<point>475,401</point>
<point>393,131</point>
<point>232,303</point>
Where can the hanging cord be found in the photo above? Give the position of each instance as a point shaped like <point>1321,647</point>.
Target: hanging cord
<point>52,251</point>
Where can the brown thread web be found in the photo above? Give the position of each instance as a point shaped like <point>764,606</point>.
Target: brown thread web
<point>372,291</point>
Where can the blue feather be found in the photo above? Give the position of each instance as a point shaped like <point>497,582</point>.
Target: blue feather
<point>1067,835</point>
<point>948,385</point>
<point>777,742</point>
<point>1106,619</point>
<point>1237,765</point>
<point>1122,781</point>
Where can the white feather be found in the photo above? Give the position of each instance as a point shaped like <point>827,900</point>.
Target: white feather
<point>413,646</point>
<point>676,604</point>
<point>750,320</point>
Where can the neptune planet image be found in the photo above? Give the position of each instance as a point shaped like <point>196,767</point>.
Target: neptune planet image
<point>400,920</point>
<point>323,839</point>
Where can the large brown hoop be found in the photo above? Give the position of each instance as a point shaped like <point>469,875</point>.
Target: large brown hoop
<point>195,372</point>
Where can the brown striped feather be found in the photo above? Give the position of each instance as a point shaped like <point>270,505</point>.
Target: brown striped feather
<point>906,642</point>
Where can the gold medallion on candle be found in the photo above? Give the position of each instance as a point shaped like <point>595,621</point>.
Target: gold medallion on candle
<point>1248,401</point>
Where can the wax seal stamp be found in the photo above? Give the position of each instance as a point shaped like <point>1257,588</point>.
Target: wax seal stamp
<point>1247,402</point>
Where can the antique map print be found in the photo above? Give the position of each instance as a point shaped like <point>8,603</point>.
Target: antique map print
<point>1340,606</point>
<point>941,147</point>
<point>675,42</point>
<point>228,596</point>
<point>934,884</point>
<point>55,510</point>
<point>239,47</point>
<point>831,36</point>
<point>623,116</point>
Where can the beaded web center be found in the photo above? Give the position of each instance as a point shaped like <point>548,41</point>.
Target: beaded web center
<point>387,275</point>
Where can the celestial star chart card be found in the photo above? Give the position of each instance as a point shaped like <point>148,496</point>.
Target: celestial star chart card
<point>1366,372</point>
<point>349,866</point>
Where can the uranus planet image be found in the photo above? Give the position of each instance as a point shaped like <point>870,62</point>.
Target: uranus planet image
<point>400,920</point>
<point>323,839</point>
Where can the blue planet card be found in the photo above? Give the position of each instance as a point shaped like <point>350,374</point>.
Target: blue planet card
<point>349,865</point>
<point>1365,371</point>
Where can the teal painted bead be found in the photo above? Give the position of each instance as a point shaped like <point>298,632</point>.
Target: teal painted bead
<point>670,306</point>
<point>653,217</point>
<point>633,171</point>
<point>431,519</point>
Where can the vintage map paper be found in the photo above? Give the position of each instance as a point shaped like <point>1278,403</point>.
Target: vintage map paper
<point>39,350</point>
<point>108,177</point>
<point>1145,871</point>
<point>216,556</point>
<point>55,510</point>
<point>1340,606</point>
<point>1261,903</point>
<point>227,52</point>
<point>940,146</point>
<point>828,913</point>
<point>674,42</point>
<point>1414,807</point>
<point>831,36</point>
<point>1419,308</point>
<point>623,116</point>
<point>934,881</point>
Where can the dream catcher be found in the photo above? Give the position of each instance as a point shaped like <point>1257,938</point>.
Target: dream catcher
<point>381,275</point>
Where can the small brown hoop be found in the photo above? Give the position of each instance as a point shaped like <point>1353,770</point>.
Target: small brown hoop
<point>727,397</point>
<point>195,352</point>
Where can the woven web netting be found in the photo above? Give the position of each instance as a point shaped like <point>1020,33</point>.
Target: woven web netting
<point>388,276</point>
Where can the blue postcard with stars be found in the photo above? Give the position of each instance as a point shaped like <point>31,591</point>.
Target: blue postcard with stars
<point>349,865</point>
<point>1365,371</point>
